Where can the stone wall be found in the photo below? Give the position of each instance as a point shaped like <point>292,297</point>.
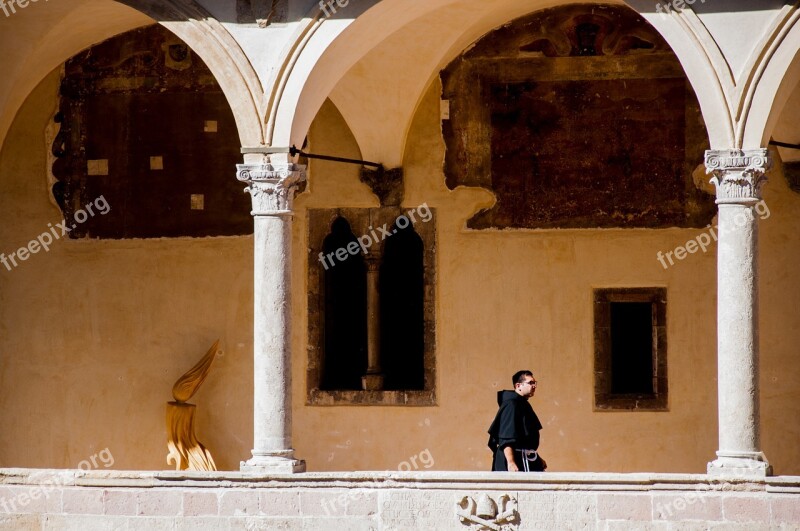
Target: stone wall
<point>391,501</point>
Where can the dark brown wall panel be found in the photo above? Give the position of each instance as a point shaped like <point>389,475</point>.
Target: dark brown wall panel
<point>148,106</point>
<point>576,117</point>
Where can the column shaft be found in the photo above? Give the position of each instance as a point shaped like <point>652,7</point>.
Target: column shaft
<point>373,380</point>
<point>272,335</point>
<point>737,329</point>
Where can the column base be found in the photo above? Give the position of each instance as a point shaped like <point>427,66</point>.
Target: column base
<point>372,382</point>
<point>740,465</point>
<point>273,463</point>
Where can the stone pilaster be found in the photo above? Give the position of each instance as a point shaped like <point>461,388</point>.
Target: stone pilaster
<point>738,177</point>
<point>272,187</point>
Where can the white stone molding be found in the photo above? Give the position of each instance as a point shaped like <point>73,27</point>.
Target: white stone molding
<point>736,91</point>
<point>271,186</point>
<point>738,175</point>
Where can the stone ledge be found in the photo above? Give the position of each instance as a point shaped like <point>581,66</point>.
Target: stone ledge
<point>585,481</point>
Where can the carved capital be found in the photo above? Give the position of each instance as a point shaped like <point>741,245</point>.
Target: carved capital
<point>271,186</point>
<point>373,261</point>
<point>738,175</point>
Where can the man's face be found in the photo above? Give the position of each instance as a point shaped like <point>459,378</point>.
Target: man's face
<point>527,387</point>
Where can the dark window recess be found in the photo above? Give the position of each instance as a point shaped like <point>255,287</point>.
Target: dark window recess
<point>402,324</point>
<point>145,125</point>
<point>630,349</point>
<point>345,353</point>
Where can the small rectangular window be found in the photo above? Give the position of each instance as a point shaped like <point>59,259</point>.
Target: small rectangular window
<point>630,349</point>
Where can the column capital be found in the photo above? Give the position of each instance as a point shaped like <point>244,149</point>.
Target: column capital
<point>373,261</point>
<point>271,186</point>
<point>738,174</point>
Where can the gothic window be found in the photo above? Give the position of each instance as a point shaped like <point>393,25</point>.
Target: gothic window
<point>371,333</point>
<point>630,349</point>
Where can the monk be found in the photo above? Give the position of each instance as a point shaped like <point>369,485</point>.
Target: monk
<point>514,434</point>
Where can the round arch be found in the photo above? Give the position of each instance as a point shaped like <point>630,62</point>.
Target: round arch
<point>779,78</point>
<point>67,29</point>
<point>336,46</point>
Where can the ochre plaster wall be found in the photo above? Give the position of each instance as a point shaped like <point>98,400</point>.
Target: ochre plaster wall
<point>94,333</point>
<point>523,299</point>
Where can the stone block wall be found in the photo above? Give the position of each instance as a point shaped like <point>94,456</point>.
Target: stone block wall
<point>438,501</point>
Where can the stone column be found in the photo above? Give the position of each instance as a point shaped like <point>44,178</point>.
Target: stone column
<point>272,187</point>
<point>373,380</point>
<point>738,176</point>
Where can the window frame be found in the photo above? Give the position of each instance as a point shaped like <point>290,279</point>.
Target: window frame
<point>319,226</point>
<point>604,398</point>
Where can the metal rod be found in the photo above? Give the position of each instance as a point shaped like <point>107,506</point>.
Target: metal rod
<point>784,144</point>
<point>294,151</point>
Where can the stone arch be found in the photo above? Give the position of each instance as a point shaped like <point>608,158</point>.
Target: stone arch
<point>327,52</point>
<point>740,105</point>
<point>188,20</point>
<point>778,77</point>
<point>703,63</point>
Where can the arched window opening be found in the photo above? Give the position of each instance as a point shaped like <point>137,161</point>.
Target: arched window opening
<point>402,306</point>
<point>345,313</point>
